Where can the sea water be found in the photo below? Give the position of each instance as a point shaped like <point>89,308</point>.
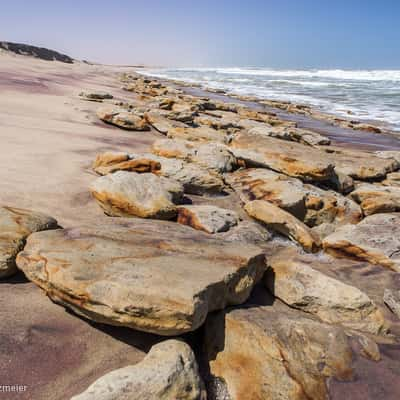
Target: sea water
<point>372,95</point>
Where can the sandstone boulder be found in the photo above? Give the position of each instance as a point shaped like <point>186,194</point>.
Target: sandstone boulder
<point>375,199</point>
<point>392,300</point>
<point>389,154</point>
<point>152,276</point>
<point>159,122</point>
<point>263,353</point>
<point>306,202</point>
<point>358,164</point>
<point>123,119</point>
<point>125,194</point>
<point>168,372</point>
<point>293,159</point>
<point>375,239</point>
<point>292,279</point>
<point>16,224</point>
<point>194,178</point>
<point>110,162</point>
<point>210,219</point>
<point>200,134</point>
<point>392,179</point>
<point>284,223</point>
<point>96,96</point>
<point>293,134</point>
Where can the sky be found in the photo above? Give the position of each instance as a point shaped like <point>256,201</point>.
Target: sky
<point>351,34</point>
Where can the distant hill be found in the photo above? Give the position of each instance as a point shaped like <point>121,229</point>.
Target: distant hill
<point>38,52</point>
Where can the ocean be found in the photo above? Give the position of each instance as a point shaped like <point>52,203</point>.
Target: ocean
<point>372,95</point>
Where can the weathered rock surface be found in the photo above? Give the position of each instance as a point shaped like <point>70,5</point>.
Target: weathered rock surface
<point>263,184</point>
<point>194,178</point>
<point>201,134</point>
<point>284,223</point>
<point>375,199</point>
<point>306,202</point>
<point>263,353</point>
<point>292,134</point>
<point>16,225</point>
<point>216,157</point>
<point>177,148</point>
<point>292,279</point>
<point>358,164</point>
<point>207,218</point>
<point>168,372</point>
<point>293,159</point>
<point>375,239</point>
<point>109,162</point>
<point>123,119</point>
<point>159,122</point>
<point>389,154</point>
<point>153,276</point>
<point>392,179</point>
<point>125,194</point>
<point>392,300</point>
<point>96,96</point>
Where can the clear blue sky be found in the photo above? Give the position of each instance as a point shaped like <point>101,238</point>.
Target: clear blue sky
<point>281,33</point>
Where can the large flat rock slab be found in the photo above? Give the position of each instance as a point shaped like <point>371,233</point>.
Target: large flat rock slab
<point>293,159</point>
<point>153,276</point>
<point>16,225</point>
<point>376,239</point>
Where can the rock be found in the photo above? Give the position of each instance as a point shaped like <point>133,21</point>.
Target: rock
<point>292,134</point>
<point>327,206</point>
<point>359,165</point>
<point>16,224</point>
<point>265,353</point>
<point>158,122</point>
<point>375,239</point>
<point>177,148</point>
<point>306,202</point>
<point>201,134</point>
<point>152,276</point>
<point>183,116</point>
<point>207,218</point>
<point>377,198</point>
<point>284,223</point>
<point>389,154</point>
<point>392,179</point>
<point>110,162</point>
<point>342,183</point>
<point>392,300</point>
<point>123,119</point>
<point>292,279</point>
<point>215,156</point>
<point>307,137</point>
<point>247,232</point>
<point>96,96</point>
<point>168,372</point>
<point>127,194</point>
<point>293,159</point>
<point>194,178</point>
<point>263,184</point>
<point>366,127</point>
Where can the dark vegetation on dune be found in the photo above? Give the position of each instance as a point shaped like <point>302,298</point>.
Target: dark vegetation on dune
<point>38,52</point>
